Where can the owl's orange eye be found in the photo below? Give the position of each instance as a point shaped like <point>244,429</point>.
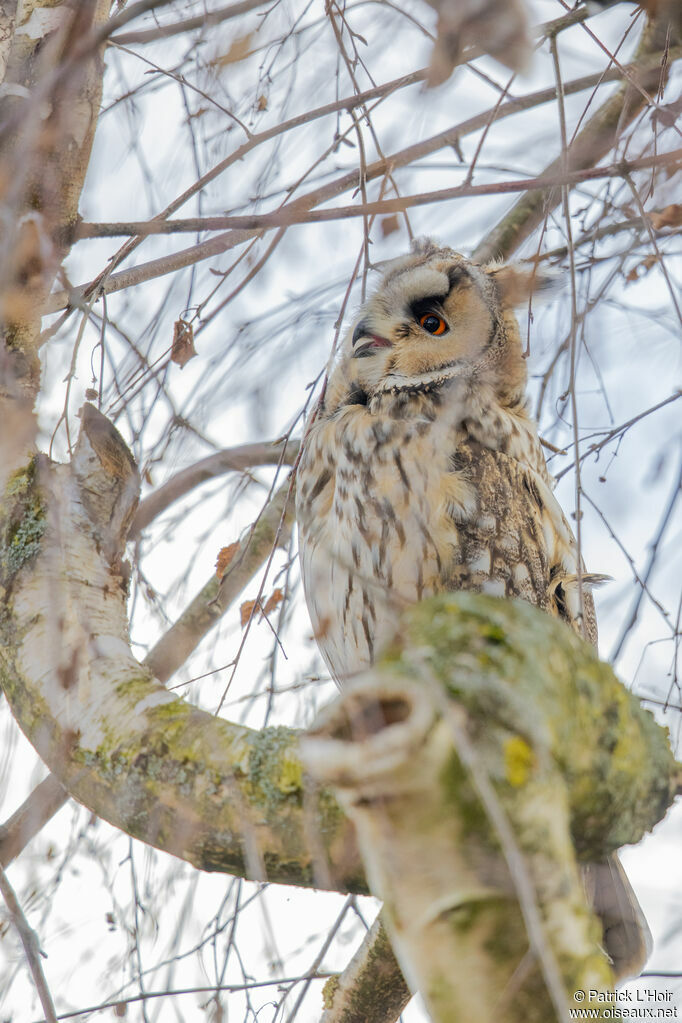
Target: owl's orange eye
<point>434,324</point>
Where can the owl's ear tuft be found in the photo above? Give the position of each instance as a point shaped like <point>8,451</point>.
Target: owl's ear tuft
<point>516,282</point>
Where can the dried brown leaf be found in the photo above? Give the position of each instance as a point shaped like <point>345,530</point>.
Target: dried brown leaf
<point>273,601</point>
<point>389,225</point>
<point>245,612</point>
<point>239,49</point>
<point>225,556</point>
<point>182,349</point>
<point>670,216</point>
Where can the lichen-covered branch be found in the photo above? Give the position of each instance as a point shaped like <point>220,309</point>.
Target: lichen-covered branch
<point>372,988</point>
<point>218,795</point>
<point>488,754</point>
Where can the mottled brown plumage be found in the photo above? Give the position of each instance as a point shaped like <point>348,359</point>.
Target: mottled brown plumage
<point>422,472</point>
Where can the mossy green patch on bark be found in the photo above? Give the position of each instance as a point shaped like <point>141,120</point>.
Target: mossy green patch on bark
<point>330,988</point>
<point>275,769</point>
<point>467,808</point>
<point>533,675</point>
<point>22,521</point>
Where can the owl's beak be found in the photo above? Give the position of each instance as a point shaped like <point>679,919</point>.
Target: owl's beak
<point>372,342</point>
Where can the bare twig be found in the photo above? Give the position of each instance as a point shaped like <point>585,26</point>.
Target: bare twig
<point>175,646</point>
<point>198,990</point>
<point>348,904</point>
<point>617,431</point>
<point>573,339</point>
<point>230,460</point>
<point>31,947</point>
<point>41,805</point>
<point>631,618</point>
<point>595,140</point>
<point>242,227</point>
<point>205,20</point>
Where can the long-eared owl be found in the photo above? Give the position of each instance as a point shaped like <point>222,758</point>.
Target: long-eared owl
<point>422,472</point>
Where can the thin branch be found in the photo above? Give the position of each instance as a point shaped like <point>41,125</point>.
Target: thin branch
<point>175,646</point>
<point>160,224</point>
<point>37,809</point>
<point>331,934</point>
<point>290,214</point>
<point>230,460</point>
<point>176,992</point>
<point>206,20</point>
<point>245,226</point>
<point>595,234</point>
<point>651,561</point>
<point>31,947</point>
<point>597,138</point>
<point>638,579</point>
<point>348,103</point>
<point>109,282</point>
<point>617,431</point>
<point>94,40</point>
<point>572,338</point>
<point>646,222</point>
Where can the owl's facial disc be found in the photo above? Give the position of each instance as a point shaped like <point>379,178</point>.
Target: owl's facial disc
<point>436,316</point>
<point>429,316</point>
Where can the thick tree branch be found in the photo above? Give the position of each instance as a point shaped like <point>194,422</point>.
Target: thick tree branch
<point>45,142</point>
<point>475,767</point>
<point>219,795</point>
<point>372,988</point>
<point>505,805</point>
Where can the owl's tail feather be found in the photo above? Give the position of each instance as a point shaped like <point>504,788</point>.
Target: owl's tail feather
<point>627,938</point>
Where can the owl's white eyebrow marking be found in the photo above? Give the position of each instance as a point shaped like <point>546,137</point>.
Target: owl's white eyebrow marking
<point>423,282</point>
